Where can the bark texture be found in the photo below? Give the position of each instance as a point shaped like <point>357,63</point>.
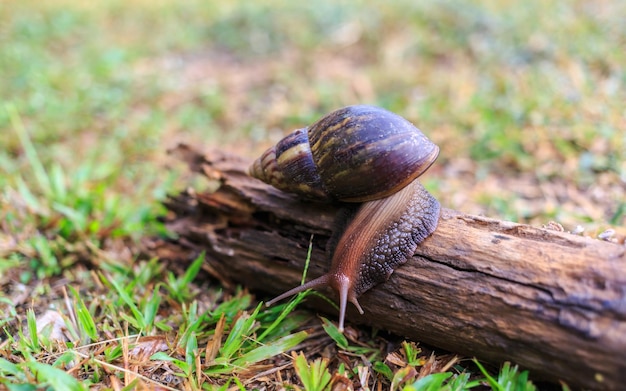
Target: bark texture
<point>552,302</point>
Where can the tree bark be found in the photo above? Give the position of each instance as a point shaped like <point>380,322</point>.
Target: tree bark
<point>552,302</point>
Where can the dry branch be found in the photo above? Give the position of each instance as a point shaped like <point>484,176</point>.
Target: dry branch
<point>552,302</point>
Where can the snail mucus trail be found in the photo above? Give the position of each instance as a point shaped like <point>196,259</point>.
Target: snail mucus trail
<point>367,155</point>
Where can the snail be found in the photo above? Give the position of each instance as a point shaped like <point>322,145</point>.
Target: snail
<point>359,154</point>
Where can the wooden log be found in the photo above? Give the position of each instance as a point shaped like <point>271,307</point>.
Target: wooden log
<point>552,302</point>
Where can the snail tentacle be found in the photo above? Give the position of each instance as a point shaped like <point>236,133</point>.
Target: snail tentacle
<point>316,283</point>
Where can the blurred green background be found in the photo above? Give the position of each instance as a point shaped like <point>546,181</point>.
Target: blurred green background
<point>526,100</point>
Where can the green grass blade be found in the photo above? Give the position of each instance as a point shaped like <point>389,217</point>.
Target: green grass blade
<point>33,333</point>
<point>138,316</point>
<point>296,300</point>
<point>78,218</point>
<point>29,198</point>
<point>151,308</point>
<point>191,350</point>
<point>65,359</point>
<point>272,349</point>
<point>39,171</point>
<point>237,336</point>
<point>194,323</point>
<point>8,368</point>
<point>86,323</point>
<point>231,308</point>
<point>287,309</point>
<point>490,379</point>
<point>307,261</point>
<point>162,356</point>
<point>411,352</point>
<point>383,369</point>
<point>432,382</point>
<point>58,183</point>
<point>49,262</point>
<point>54,377</point>
<point>314,376</point>
<point>193,270</point>
<point>335,334</point>
<point>179,287</point>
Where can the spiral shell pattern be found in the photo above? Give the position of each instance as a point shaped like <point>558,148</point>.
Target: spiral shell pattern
<point>354,154</point>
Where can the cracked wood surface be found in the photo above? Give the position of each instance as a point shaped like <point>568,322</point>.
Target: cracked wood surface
<point>552,302</point>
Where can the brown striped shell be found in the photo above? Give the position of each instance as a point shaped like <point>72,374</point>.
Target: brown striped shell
<point>354,154</point>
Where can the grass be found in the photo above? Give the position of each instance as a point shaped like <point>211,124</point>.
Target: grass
<point>525,100</point>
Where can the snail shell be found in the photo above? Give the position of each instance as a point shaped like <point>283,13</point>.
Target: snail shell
<point>354,154</point>
<point>359,154</point>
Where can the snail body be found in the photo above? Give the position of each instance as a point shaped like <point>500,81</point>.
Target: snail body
<point>359,154</point>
